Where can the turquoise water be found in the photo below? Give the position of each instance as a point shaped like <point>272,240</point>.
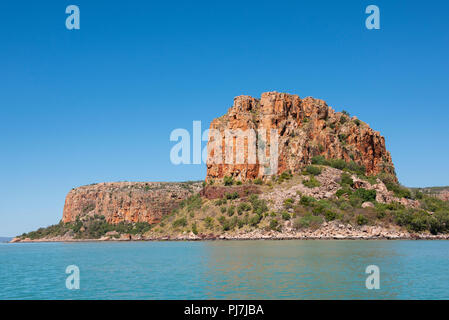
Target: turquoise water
<point>226,270</point>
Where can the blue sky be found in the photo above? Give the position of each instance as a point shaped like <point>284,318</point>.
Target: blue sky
<point>98,104</point>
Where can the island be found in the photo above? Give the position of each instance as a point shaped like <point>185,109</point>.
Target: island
<point>328,176</point>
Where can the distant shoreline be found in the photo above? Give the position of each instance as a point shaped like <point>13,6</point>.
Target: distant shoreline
<point>332,230</point>
<point>243,237</point>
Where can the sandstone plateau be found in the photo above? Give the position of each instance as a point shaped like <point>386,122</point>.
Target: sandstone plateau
<point>306,128</point>
<point>127,201</point>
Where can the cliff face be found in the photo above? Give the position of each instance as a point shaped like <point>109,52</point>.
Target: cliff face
<point>305,128</point>
<point>127,201</point>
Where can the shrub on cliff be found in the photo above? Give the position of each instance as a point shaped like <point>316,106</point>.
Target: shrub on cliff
<point>228,181</point>
<point>231,211</point>
<point>346,190</point>
<point>308,221</point>
<point>365,195</point>
<point>285,215</point>
<point>221,219</point>
<point>243,207</point>
<point>255,219</point>
<point>337,163</point>
<point>232,196</point>
<point>320,206</point>
<point>227,224</point>
<point>286,175</point>
<point>356,168</point>
<point>181,222</point>
<point>320,160</point>
<point>361,220</point>
<point>288,203</point>
<point>140,228</point>
<point>307,201</point>
<point>209,222</point>
<point>220,202</point>
<point>313,170</point>
<point>330,215</point>
<point>342,137</point>
<point>346,179</point>
<point>274,225</point>
<point>77,225</point>
<point>259,205</point>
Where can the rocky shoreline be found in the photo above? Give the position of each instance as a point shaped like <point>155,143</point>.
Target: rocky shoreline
<point>329,231</point>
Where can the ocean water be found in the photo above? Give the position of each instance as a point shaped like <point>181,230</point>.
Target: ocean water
<point>293,269</point>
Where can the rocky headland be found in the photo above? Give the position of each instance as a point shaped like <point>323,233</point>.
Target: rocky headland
<point>335,179</point>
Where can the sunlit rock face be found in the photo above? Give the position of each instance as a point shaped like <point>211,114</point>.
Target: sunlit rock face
<point>127,201</point>
<point>304,128</point>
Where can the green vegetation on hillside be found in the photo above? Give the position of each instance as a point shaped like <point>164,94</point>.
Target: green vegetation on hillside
<point>89,228</point>
<point>245,212</point>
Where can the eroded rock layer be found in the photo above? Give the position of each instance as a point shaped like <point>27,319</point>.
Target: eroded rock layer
<point>127,201</point>
<point>305,127</point>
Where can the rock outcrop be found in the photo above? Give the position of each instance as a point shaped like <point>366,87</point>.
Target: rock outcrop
<point>329,180</point>
<point>444,195</point>
<point>127,201</point>
<point>305,128</point>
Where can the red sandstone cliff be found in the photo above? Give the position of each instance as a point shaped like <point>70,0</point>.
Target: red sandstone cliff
<point>127,201</point>
<point>305,127</point>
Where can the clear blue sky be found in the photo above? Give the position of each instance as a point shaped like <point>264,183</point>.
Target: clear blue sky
<point>98,104</point>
